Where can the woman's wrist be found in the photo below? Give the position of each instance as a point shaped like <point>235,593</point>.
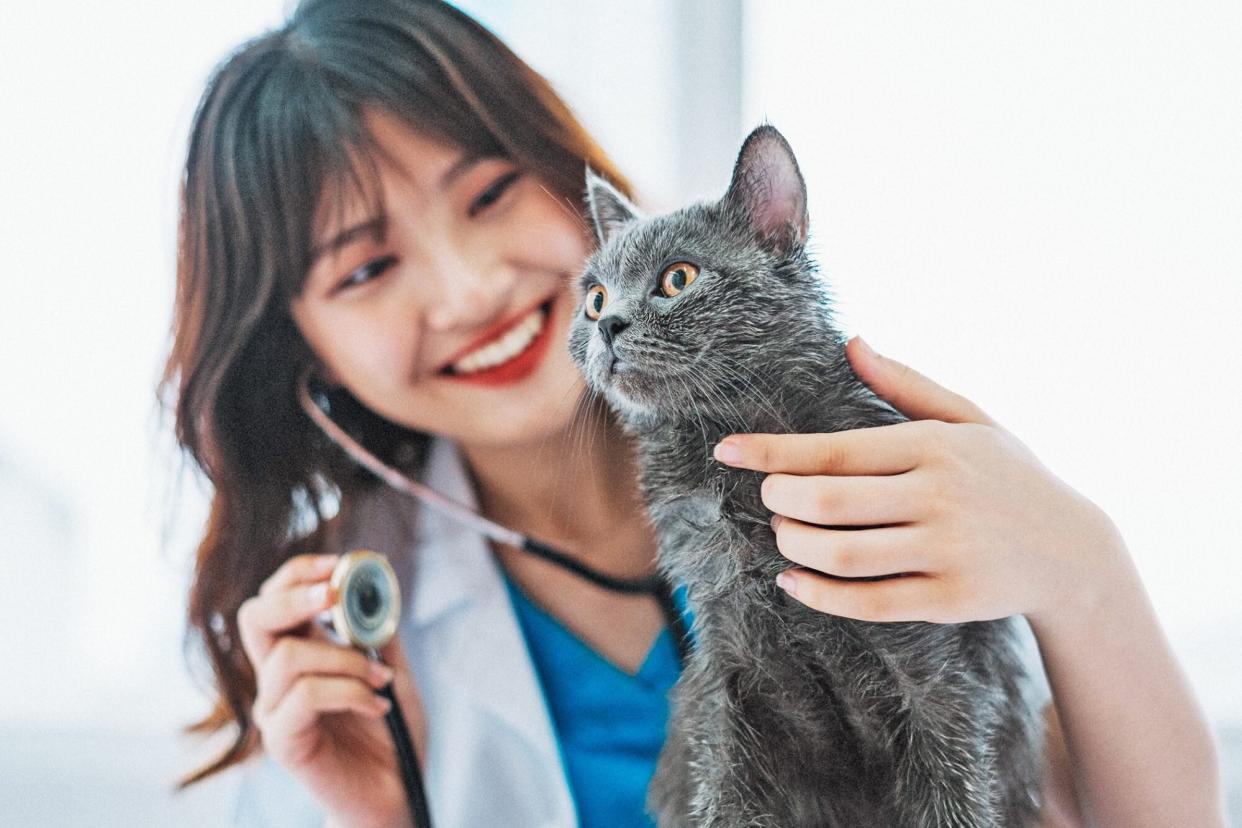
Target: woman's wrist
<point>1101,567</point>
<point>1110,666</point>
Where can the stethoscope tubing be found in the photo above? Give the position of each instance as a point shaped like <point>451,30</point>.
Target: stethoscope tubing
<point>653,585</point>
<point>407,758</point>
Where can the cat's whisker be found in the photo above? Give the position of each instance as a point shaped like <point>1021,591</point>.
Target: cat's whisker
<point>759,396</point>
<point>577,425</point>
<point>590,422</point>
<point>546,445</point>
<point>719,376</point>
<point>566,205</point>
<point>728,410</point>
<point>694,413</point>
<point>718,379</point>
<point>715,373</point>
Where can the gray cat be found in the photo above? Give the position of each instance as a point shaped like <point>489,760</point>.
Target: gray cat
<point>711,321</point>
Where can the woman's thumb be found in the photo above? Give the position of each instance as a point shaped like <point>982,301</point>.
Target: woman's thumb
<point>911,393</point>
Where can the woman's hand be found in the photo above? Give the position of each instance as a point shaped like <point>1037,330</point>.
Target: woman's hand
<point>987,531</point>
<point>978,527</point>
<point>316,705</point>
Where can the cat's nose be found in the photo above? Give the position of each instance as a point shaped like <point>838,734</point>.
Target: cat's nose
<point>609,327</point>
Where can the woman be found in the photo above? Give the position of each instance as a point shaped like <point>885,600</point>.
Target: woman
<point>383,194</point>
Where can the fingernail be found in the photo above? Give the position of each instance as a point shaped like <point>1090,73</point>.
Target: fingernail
<point>776,521</point>
<point>316,595</point>
<point>327,562</point>
<point>383,704</point>
<point>788,583</point>
<point>869,350</point>
<point>728,451</point>
<point>381,673</point>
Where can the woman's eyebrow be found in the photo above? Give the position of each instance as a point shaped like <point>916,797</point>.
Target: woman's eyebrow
<point>375,226</point>
<point>463,164</point>
<point>371,227</point>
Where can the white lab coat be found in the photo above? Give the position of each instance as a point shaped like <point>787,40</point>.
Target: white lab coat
<point>492,757</point>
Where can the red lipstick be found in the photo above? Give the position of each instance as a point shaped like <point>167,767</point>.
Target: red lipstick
<point>516,369</point>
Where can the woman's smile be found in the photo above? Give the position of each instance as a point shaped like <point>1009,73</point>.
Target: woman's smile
<point>509,352</point>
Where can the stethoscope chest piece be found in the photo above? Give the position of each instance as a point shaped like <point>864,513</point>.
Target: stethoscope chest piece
<point>365,612</point>
<point>367,608</point>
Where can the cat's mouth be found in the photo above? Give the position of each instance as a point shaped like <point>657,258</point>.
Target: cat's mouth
<point>628,383</point>
<point>623,373</point>
<point>619,366</point>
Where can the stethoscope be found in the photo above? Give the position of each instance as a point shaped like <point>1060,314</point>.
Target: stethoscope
<point>368,597</point>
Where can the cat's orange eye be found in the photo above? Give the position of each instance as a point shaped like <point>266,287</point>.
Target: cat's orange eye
<point>677,277</point>
<point>596,298</point>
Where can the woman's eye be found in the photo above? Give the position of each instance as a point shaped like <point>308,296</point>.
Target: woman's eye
<point>367,272</point>
<point>677,277</point>
<point>493,193</point>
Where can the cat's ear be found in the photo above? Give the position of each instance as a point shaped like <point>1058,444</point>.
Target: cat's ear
<point>768,190</point>
<point>610,210</point>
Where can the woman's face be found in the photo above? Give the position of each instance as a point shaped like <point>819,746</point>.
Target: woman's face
<point>449,312</point>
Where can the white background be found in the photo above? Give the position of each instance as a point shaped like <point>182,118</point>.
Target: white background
<point>1040,206</point>
<point>1037,204</point>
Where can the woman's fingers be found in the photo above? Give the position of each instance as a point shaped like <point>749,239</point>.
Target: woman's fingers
<point>890,449</point>
<point>310,697</point>
<point>292,658</point>
<point>886,550</point>
<point>907,598</point>
<point>300,569</point>
<point>911,393</point>
<point>843,501</point>
<point>879,450</point>
<point>262,618</point>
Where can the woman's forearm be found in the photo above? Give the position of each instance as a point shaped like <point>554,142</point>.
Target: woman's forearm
<point>1141,750</point>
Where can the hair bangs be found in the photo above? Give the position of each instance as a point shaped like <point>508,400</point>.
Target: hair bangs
<point>316,161</point>
<point>321,161</point>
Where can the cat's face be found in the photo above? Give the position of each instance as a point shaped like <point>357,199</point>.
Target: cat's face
<point>681,313</point>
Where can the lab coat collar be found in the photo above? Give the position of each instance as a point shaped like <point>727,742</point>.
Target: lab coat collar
<point>459,615</point>
<point>452,562</point>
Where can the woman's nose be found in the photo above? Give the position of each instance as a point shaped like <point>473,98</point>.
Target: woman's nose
<point>469,291</point>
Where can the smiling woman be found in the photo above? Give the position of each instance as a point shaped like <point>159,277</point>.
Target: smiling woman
<point>404,218</point>
<point>441,307</point>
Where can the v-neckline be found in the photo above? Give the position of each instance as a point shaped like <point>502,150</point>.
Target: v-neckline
<point>642,674</point>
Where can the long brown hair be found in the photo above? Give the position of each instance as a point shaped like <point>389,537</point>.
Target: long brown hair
<point>279,131</point>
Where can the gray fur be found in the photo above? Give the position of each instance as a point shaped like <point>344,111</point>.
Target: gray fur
<point>785,716</point>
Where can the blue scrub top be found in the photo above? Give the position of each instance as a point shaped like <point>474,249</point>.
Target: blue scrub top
<point>609,724</point>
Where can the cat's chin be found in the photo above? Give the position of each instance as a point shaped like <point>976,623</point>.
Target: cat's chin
<point>632,392</point>
<point>630,403</point>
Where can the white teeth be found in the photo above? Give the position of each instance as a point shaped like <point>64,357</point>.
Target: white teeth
<point>504,349</point>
